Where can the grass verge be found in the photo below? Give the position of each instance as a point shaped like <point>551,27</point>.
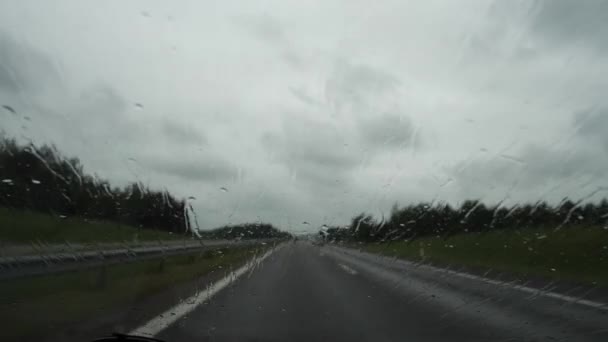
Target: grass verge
<point>40,306</point>
<point>577,254</point>
<point>22,226</point>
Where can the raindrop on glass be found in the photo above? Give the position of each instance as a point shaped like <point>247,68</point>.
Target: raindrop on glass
<point>9,108</point>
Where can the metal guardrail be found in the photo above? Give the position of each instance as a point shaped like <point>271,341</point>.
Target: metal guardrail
<point>31,265</point>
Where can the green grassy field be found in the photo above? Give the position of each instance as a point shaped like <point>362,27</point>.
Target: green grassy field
<point>574,253</point>
<point>40,305</point>
<point>22,227</point>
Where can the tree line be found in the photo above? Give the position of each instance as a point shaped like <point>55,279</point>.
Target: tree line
<point>245,231</point>
<point>443,220</point>
<point>41,179</point>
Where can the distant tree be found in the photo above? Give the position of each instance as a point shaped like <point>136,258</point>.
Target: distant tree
<point>41,179</point>
<point>245,231</point>
<point>473,216</point>
<point>362,227</point>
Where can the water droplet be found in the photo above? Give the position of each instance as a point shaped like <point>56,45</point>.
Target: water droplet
<point>139,105</point>
<point>447,181</point>
<point>512,158</point>
<point>9,108</point>
<point>35,181</point>
<point>224,189</point>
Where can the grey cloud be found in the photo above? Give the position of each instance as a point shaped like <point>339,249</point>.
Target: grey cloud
<point>547,165</point>
<point>314,151</point>
<point>573,22</point>
<point>264,27</point>
<point>358,84</point>
<point>25,69</point>
<point>26,72</point>
<point>101,112</point>
<point>180,133</point>
<point>387,130</point>
<point>31,83</point>
<point>7,81</point>
<point>301,94</point>
<point>207,169</point>
<point>592,125</point>
<point>531,31</point>
<point>532,172</point>
<point>270,30</point>
<point>291,57</point>
<point>101,100</point>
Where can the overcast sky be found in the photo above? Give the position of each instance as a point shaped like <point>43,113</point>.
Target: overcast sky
<point>316,110</point>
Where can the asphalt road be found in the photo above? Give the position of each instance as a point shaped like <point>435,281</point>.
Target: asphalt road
<point>308,293</point>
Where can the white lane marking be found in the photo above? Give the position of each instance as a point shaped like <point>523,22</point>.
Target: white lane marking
<point>538,292</point>
<point>347,269</point>
<point>570,299</point>
<point>162,321</point>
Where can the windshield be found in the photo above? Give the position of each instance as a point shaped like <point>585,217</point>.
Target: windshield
<point>304,171</point>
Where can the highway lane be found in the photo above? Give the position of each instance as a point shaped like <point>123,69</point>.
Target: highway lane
<point>308,293</point>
